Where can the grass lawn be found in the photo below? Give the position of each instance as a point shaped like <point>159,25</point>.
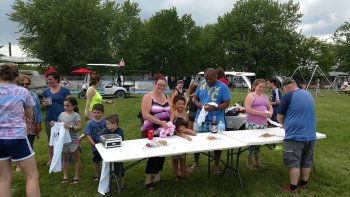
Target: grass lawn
<point>331,161</point>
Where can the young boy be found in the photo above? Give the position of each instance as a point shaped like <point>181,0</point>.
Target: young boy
<point>112,123</point>
<point>93,130</point>
<point>275,98</point>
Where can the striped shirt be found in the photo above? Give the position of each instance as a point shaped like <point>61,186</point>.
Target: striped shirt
<point>13,99</point>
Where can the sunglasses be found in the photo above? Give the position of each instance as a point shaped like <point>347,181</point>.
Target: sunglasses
<point>25,84</point>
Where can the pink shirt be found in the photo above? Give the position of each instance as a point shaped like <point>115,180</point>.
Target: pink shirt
<point>13,99</point>
<point>259,104</point>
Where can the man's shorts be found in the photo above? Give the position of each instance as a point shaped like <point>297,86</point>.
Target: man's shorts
<point>298,154</point>
<point>204,128</point>
<point>96,157</point>
<point>15,149</point>
<point>70,147</point>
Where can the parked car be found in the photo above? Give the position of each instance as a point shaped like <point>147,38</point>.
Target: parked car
<point>38,82</point>
<point>112,89</point>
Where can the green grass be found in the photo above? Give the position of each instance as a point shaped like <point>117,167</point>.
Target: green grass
<point>331,160</point>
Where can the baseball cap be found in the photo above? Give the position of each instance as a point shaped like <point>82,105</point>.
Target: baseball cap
<point>180,81</point>
<point>287,81</point>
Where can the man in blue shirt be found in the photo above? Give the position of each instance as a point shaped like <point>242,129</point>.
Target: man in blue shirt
<point>296,113</point>
<point>275,97</point>
<point>210,90</point>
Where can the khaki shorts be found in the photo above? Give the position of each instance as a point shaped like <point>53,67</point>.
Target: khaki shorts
<point>70,147</point>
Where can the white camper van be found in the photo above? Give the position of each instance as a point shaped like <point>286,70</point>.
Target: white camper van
<point>236,79</point>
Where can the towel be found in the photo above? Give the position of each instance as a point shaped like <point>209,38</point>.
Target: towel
<point>274,123</point>
<point>203,113</point>
<point>59,137</point>
<point>103,186</point>
<point>164,132</point>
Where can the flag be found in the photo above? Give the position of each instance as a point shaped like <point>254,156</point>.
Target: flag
<point>122,63</point>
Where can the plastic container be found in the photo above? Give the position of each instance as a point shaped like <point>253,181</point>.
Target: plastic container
<point>150,135</point>
<point>221,127</point>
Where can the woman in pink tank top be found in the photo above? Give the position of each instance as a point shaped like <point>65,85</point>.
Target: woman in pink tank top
<point>258,109</point>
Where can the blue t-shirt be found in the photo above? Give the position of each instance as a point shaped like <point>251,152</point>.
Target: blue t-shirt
<point>54,110</point>
<point>217,93</point>
<point>299,115</point>
<point>276,96</point>
<point>95,129</point>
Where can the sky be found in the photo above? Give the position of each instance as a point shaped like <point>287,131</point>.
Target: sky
<point>321,17</point>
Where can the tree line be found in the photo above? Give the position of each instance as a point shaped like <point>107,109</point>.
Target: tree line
<point>259,36</point>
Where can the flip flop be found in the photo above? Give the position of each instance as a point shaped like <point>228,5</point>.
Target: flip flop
<point>75,181</point>
<point>150,187</point>
<point>194,167</point>
<point>64,181</point>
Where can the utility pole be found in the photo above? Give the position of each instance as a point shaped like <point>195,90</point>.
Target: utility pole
<point>10,50</point>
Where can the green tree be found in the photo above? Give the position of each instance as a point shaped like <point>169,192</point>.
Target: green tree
<point>260,36</point>
<point>67,33</point>
<point>313,51</point>
<point>127,36</point>
<point>168,40</point>
<point>341,38</point>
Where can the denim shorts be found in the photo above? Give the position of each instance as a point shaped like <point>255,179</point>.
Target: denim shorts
<point>70,147</point>
<point>298,154</point>
<point>96,157</point>
<point>15,149</point>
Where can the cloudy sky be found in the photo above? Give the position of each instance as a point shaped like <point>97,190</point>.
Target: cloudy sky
<point>321,17</point>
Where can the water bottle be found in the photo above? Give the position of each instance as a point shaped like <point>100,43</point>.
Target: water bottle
<point>221,127</point>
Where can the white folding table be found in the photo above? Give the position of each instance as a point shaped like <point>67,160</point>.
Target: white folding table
<point>253,136</point>
<point>136,149</point>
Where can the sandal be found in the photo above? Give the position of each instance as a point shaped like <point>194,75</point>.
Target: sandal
<point>194,167</point>
<point>160,181</point>
<point>96,178</point>
<point>64,181</point>
<point>150,187</point>
<point>75,181</point>
<point>178,178</point>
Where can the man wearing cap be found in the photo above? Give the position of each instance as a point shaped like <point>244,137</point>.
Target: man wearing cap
<point>296,113</point>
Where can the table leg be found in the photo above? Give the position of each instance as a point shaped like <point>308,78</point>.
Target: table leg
<point>115,174</point>
<point>208,164</point>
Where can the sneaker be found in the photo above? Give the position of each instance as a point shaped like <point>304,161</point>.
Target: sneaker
<point>303,187</point>
<point>286,188</point>
<point>216,170</point>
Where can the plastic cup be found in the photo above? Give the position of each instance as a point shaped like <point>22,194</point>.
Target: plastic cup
<point>49,100</point>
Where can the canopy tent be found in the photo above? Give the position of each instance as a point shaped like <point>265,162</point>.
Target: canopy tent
<point>82,71</point>
<point>110,65</point>
<point>20,60</point>
<point>311,69</point>
<point>50,70</point>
